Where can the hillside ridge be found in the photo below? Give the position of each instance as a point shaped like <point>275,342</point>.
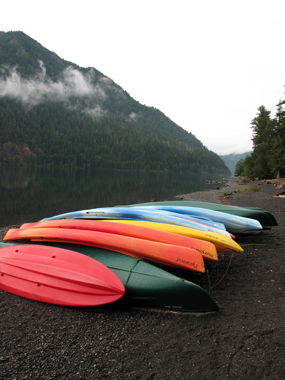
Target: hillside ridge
<point>71,116</point>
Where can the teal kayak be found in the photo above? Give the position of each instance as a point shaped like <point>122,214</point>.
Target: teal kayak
<point>266,219</point>
<point>145,284</point>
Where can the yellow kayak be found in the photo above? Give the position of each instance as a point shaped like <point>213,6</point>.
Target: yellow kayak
<point>222,242</point>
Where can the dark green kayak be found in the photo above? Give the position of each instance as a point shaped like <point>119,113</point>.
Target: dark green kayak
<point>266,219</point>
<point>145,284</point>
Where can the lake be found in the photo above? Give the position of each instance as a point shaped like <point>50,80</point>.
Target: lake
<point>28,194</point>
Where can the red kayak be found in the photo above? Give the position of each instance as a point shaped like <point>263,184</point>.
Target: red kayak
<point>57,276</point>
<point>207,249</point>
<point>161,253</point>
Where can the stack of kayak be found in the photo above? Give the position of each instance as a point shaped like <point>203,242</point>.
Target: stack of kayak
<point>60,259</point>
<point>266,219</point>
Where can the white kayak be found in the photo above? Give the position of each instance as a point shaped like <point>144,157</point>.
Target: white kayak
<point>233,223</point>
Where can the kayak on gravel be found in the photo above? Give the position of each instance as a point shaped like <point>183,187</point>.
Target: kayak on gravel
<point>57,276</point>
<point>207,249</point>
<point>145,284</point>
<point>266,219</point>
<point>221,242</point>
<point>156,252</point>
<point>233,223</point>
<point>127,213</point>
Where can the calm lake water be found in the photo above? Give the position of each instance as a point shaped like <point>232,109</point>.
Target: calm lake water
<point>30,194</point>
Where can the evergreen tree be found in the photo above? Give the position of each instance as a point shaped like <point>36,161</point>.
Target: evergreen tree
<point>278,146</point>
<point>239,168</point>
<point>249,167</point>
<point>263,130</point>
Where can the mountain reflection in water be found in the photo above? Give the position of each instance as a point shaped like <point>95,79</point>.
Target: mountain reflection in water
<point>28,194</point>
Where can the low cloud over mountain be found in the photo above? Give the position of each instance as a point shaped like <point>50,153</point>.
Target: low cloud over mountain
<point>34,91</point>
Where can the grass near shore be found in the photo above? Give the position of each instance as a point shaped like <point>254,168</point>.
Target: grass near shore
<point>252,188</point>
<point>245,181</point>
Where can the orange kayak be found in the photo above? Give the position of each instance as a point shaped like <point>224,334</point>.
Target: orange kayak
<point>207,249</point>
<point>161,253</point>
<point>221,242</point>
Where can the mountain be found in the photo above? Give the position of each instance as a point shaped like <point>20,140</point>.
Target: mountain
<point>53,112</point>
<point>232,159</point>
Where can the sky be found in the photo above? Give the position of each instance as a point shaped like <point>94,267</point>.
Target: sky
<point>207,65</point>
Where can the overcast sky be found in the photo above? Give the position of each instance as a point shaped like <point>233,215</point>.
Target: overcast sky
<point>207,65</point>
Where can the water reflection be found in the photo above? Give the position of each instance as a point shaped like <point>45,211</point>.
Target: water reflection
<point>30,194</point>
<point>11,177</point>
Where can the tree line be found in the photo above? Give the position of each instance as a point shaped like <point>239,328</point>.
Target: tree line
<point>268,157</point>
<point>60,137</point>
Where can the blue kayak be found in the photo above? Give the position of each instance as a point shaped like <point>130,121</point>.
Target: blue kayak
<point>130,213</point>
<point>266,219</point>
<point>233,223</point>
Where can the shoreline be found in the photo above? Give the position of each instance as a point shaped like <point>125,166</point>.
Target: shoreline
<point>211,194</point>
<point>216,195</point>
<point>245,339</point>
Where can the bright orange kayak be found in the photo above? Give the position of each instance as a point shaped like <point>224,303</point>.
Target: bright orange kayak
<point>207,249</point>
<point>222,242</point>
<point>161,253</point>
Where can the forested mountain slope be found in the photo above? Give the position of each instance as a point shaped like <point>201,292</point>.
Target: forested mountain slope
<point>232,159</point>
<point>53,112</point>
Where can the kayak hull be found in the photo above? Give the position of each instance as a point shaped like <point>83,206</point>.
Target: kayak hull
<point>207,249</point>
<point>128,213</point>
<point>165,254</point>
<point>145,284</point>
<point>217,219</point>
<point>221,242</point>
<point>266,219</point>
<point>57,276</point>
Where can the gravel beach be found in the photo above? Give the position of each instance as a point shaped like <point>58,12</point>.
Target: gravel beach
<point>245,339</point>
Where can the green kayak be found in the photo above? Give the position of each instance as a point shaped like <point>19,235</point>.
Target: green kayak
<point>145,284</point>
<point>266,219</point>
